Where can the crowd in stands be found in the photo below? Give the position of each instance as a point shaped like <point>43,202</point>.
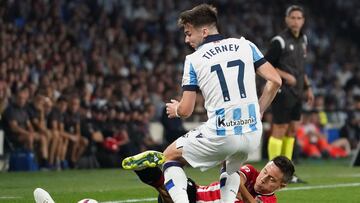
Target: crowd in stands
<point>81,78</point>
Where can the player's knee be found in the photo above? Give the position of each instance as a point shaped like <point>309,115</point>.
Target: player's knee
<point>169,156</point>
<point>172,153</point>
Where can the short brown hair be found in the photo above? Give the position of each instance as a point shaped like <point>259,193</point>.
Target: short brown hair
<point>286,167</point>
<point>203,14</point>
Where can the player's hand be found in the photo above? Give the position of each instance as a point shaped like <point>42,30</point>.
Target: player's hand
<point>171,108</point>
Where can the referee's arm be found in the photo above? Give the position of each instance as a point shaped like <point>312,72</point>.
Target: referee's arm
<point>274,53</point>
<point>273,57</point>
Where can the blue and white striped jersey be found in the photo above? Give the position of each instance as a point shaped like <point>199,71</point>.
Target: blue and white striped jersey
<point>224,71</point>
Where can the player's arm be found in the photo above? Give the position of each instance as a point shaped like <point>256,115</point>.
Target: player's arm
<point>243,194</point>
<point>268,72</point>
<point>273,83</point>
<point>184,108</point>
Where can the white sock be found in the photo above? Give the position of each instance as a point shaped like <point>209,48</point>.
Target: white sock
<point>176,183</point>
<point>229,187</point>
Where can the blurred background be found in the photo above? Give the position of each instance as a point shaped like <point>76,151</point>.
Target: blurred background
<point>86,81</point>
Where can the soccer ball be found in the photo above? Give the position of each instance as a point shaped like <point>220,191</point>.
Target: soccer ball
<point>87,200</point>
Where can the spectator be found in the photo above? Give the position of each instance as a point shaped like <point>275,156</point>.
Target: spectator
<point>72,126</point>
<point>56,124</point>
<point>38,119</point>
<point>18,128</point>
<point>314,143</point>
<point>4,96</point>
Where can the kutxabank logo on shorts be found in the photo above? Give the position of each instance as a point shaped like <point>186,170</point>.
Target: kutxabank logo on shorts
<point>222,123</point>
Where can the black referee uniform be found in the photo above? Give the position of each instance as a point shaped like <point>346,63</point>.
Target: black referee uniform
<point>288,54</point>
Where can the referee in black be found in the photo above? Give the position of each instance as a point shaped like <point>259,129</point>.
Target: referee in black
<point>287,53</point>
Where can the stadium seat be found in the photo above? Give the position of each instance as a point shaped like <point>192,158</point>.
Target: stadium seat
<point>22,160</point>
<point>332,134</point>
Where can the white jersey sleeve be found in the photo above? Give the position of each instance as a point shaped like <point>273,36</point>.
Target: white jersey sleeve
<point>189,81</point>
<point>256,53</point>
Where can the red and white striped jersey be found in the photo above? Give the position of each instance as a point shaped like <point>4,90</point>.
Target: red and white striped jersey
<point>211,193</point>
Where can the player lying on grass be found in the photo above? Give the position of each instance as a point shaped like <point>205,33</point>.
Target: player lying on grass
<point>255,186</point>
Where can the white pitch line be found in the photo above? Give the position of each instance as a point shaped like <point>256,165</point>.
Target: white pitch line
<point>133,200</point>
<point>338,176</point>
<point>285,189</point>
<point>321,186</point>
<point>9,197</point>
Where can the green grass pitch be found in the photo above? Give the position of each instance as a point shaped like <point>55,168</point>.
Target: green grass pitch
<point>329,181</point>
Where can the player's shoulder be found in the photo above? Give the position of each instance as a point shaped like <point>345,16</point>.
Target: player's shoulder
<point>240,40</point>
<point>266,198</point>
<point>248,172</point>
<point>243,43</point>
<point>248,168</point>
<point>237,39</point>
<point>191,60</point>
<point>305,38</point>
<point>279,39</point>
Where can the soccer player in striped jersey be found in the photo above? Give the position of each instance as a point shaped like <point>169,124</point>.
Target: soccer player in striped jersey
<point>224,71</point>
<point>255,186</point>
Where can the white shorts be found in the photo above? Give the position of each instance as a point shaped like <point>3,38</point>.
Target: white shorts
<point>205,152</point>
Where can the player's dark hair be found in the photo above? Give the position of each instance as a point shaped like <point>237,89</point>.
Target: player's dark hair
<point>292,8</point>
<point>286,166</point>
<point>203,14</point>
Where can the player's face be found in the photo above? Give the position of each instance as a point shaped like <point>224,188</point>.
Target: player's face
<point>269,179</point>
<point>295,21</point>
<point>193,36</point>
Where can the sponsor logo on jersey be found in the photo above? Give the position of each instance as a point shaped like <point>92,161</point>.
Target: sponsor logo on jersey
<point>221,123</point>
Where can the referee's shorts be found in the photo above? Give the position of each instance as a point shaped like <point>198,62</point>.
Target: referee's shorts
<point>286,107</point>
